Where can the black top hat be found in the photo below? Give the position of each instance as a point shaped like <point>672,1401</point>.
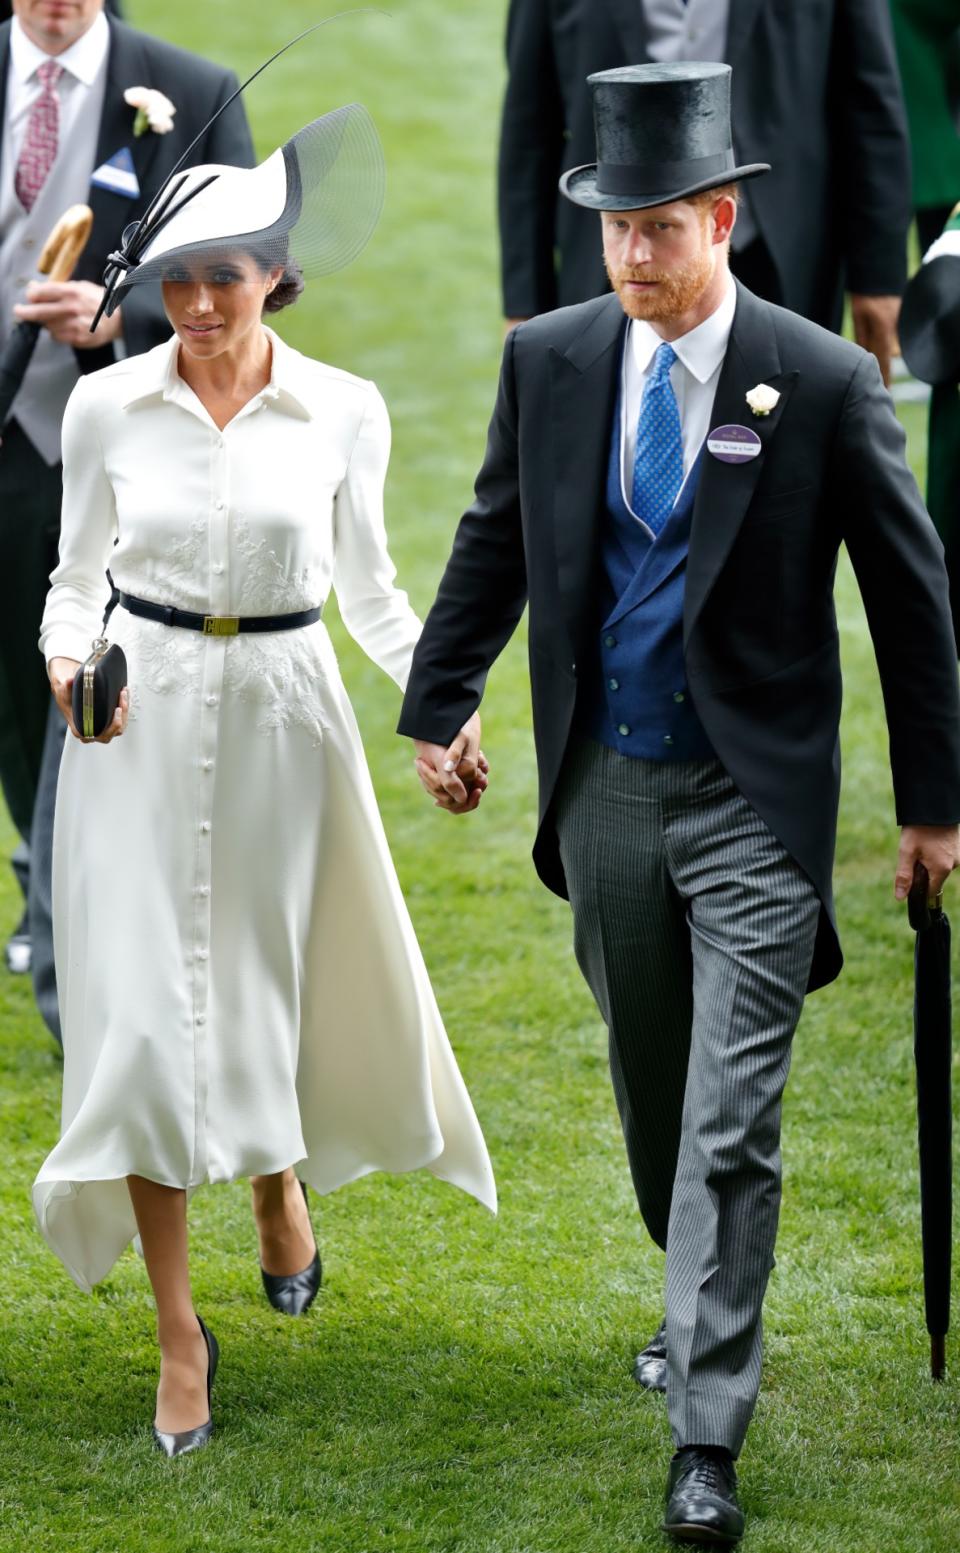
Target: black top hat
<point>663,132</point>
<point>929,325</point>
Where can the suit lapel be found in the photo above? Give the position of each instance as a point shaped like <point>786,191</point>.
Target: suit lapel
<point>127,65</point>
<point>669,552</point>
<point>740,20</point>
<point>583,384</point>
<point>4,71</point>
<point>725,490</point>
<point>629,20</point>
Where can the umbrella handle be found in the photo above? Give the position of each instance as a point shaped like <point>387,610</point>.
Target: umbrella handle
<point>920,903</point>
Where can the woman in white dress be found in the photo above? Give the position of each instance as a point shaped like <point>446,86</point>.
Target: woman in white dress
<point>241,990</point>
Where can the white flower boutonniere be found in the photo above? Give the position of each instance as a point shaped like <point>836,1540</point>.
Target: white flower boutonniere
<point>154,110</point>
<point>763,399</point>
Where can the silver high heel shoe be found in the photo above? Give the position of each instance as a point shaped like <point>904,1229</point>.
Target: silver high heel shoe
<point>192,1439</point>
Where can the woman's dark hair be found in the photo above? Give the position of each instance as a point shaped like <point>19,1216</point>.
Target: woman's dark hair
<point>287,289</point>
<point>290,284</point>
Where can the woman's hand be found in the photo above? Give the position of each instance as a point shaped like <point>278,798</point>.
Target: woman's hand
<point>455,777</point>
<point>62,673</point>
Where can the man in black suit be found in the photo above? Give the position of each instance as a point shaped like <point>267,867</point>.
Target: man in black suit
<point>669,475</point>
<point>69,136</point>
<point>817,89</point>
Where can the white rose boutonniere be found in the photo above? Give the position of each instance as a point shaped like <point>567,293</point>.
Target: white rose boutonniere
<point>154,110</point>
<point>763,399</point>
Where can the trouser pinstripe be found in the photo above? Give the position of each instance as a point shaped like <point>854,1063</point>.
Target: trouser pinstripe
<point>695,932</point>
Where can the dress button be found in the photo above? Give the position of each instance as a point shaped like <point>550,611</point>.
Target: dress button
<point>679,696</point>
<point>205,826</point>
<point>201,1019</point>
<point>207,765</point>
<point>219,506</point>
<point>203,889</point>
<point>609,641</point>
<point>220,442</point>
<point>668,738</point>
<point>203,954</point>
<point>218,568</point>
<point>623,730</point>
<point>212,700</point>
<point>614,684</point>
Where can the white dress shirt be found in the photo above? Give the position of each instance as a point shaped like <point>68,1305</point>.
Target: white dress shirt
<point>693,378</point>
<point>53,370</point>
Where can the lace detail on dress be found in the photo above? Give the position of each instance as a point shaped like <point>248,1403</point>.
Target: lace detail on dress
<point>265,588</point>
<point>283,678</point>
<point>168,661</point>
<point>174,576</point>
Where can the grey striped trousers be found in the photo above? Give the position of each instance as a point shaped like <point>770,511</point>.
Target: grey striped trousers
<point>695,932</point>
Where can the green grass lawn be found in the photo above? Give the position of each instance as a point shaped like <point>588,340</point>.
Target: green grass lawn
<point>464,1383</point>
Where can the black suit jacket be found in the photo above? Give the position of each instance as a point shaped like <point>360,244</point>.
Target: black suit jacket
<point>196,88</point>
<point>816,92</point>
<point>760,631</point>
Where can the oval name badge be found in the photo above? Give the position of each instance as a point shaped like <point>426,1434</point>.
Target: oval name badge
<point>733,444</point>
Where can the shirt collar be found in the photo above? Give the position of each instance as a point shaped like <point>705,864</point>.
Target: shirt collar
<point>156,373</point>
<point>83,59</point>
<point>701,350</point>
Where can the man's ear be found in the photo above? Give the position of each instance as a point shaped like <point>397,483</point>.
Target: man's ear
<point>724,218</point>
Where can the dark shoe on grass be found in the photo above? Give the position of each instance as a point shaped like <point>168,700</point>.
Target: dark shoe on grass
<point>650,1366</point>
<point>702,1497</point>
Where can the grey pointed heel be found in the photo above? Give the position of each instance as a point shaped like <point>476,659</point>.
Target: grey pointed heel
<point>294,1293</point>
<point>192,1439</point>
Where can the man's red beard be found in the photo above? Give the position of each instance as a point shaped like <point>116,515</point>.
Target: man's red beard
<point>677,291</point>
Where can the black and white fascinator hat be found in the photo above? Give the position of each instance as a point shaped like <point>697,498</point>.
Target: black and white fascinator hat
<point>313,205</point>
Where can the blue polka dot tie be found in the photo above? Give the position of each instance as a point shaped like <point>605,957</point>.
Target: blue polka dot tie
<point>658,461</point>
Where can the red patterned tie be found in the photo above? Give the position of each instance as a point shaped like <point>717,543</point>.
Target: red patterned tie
<point>40,141</point>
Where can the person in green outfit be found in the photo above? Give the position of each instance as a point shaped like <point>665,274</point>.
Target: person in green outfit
<point>927,33</point>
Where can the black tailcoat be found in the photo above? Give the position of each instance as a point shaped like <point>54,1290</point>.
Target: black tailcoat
<point>760,631</point>
<point>816,92</point>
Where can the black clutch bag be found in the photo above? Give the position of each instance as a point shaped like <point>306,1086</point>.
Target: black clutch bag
<point>97,687</point>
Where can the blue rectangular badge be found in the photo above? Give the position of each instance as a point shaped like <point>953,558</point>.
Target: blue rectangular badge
<point>118,175</point>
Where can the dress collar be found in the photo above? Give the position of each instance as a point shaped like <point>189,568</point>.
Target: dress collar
<point>701,350</point>
<point>156,373</point>
<point>83,59</point>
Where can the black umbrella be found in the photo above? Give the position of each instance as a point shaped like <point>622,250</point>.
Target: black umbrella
<point>60,253</point>
<point>932,1045</point>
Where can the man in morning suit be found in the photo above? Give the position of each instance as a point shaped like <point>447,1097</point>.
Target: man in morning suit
<point>669,474</point>
<point>69,137</point>
<point>816,91</point>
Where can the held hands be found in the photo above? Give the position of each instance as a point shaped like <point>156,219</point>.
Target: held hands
<point>66,310</point>
<point>454,777</point>
<point>63,672</point>
<point>937,847</point>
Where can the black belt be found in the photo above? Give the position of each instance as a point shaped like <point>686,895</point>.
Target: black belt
<point>217,625</point>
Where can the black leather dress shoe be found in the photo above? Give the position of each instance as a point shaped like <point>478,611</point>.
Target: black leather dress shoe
<point>702,1497</point>
<point>192,1439</point>
<point>293,1294</point>
<point>650,1366</point>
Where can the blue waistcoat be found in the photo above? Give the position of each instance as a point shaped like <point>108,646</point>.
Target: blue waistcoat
<point>638,702</point>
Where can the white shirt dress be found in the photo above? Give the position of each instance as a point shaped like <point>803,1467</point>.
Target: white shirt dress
<point>240,985</point>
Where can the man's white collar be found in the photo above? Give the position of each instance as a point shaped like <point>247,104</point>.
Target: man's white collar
<point>83,59</point>
<point>701,350</point>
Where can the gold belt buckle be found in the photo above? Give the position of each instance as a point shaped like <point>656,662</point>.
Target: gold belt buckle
<point>221,625</point>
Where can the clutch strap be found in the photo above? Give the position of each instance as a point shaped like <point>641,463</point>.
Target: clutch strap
<point>217,625</point>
